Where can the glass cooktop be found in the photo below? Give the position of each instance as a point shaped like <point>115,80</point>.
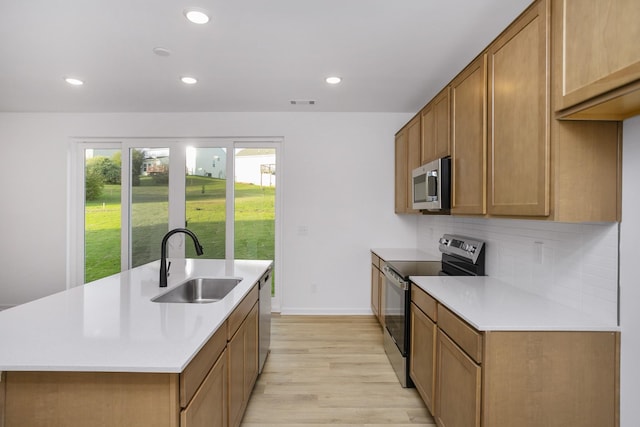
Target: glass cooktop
<point>415,268</point>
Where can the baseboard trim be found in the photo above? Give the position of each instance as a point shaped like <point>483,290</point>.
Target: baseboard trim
<point>296,311</point>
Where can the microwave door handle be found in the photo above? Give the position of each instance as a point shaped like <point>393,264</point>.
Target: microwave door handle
<point>432,185</point>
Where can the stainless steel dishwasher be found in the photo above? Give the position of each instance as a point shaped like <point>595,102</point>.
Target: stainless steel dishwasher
<point>264,323</point>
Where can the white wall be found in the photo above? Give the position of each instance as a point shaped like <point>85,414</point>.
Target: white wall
<point>337,185</point>
<point>629,282</point>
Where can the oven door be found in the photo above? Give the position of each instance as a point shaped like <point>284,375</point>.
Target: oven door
<point>396,305</point>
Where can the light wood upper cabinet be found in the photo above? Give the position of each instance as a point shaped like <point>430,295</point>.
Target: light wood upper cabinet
<point>519,143</point>
<point>407,158</point>
<point>414,136</point>
<point>512,157</point>
<point>469,139</point>
<point>401,172</point>
<point>436,128</point>
<point>597,55</point>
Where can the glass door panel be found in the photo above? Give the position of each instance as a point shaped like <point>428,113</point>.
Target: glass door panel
<point>255,193</point>
<point>102,218</point>
<point>206,195</point>
<point>149,203</point>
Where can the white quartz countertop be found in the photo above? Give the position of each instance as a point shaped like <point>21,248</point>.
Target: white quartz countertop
<point>489,304</point>
<point>111,325</point>
<point>405,254</point>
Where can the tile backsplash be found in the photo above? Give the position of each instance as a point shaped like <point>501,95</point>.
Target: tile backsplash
<point>573,264</point>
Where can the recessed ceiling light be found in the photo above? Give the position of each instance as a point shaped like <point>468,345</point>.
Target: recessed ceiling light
<point>73,81</point>
<point>161,51</point>
<point>188,80</point>
<point>196,15</point>
<point>333,80</point>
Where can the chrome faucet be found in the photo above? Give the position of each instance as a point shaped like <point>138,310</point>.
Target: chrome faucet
<point>163,252</point>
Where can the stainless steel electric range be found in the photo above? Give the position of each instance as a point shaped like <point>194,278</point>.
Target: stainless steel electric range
<point>461,256</point>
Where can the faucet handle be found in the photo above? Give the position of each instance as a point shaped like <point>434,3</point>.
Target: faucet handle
<point>168,267</point>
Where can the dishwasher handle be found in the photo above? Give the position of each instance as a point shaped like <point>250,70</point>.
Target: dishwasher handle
<point>266,278</point>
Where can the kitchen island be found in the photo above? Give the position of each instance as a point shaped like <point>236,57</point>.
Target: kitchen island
<point>105,354</point>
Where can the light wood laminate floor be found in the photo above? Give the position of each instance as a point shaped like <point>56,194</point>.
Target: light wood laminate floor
<point>331,370</point>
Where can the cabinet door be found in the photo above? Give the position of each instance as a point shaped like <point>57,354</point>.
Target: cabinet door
<point>469,139</point>
<point>208,408</point>
<point>235,351</point>
<point>436,127</point>
<point>457,386</point>
<point>401,172</point>
<point>251,352</point>
<point>519,117</point>
<point>375,291</point>
<point>243,366</point>
<point>414,158</point>
<point>597,49</point>
<point>3,383</point>
<point>422,365</point>
<point>442,124</point>
<point>428,144</point>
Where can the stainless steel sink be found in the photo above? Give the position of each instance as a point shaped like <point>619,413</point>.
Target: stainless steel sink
<point>200,290</point>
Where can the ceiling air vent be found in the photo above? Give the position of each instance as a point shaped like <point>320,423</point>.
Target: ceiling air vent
<point>302,102</point>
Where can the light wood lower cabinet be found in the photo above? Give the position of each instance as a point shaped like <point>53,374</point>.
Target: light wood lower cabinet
<point>80,399</point>
<point>212,391</point>
<point>208,408</point>
<point>458,384</point>
<point>512,378</point>
<point>383,295</point>
<point>243,365</point>
<point>377,288</point>
<point>375,285</point>
<point>422,357</point>
<point>551,379</point>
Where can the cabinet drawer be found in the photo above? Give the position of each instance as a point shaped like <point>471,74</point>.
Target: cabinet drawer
<point>375,260</point>
<point>241,311</point>
<point>210,401</point>
<point>196,371</point>
<point>424,301</point>
<point>464,335</point>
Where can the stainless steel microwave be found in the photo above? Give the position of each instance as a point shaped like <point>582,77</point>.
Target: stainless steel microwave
<point>431,185</point>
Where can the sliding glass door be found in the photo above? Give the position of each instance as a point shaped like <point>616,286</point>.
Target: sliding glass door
<point>198,184</point>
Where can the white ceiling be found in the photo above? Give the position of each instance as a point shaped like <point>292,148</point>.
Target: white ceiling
<point>254,55</point>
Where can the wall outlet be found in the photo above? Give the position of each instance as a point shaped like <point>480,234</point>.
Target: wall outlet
<point>313,288</point>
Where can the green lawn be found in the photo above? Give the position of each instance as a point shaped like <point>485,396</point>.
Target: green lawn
<point>205,214</point>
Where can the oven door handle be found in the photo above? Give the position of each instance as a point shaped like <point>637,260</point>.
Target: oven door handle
<point>394,279</point>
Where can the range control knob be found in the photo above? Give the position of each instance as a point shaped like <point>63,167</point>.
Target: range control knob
<point>444,241</point>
